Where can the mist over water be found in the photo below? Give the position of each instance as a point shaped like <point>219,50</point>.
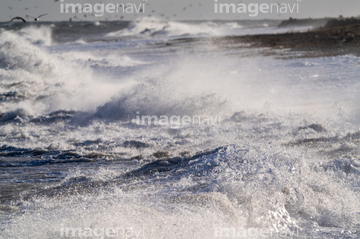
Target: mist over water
<point>284,158</point>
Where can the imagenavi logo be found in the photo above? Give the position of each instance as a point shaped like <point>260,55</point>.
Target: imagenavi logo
<point>99,9</point>
<point>254,9</point>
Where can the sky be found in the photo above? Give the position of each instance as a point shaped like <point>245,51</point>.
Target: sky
<point>178,10</point>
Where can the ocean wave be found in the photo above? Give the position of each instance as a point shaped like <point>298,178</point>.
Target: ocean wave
<point>37,81</point>
<point>158,27</point>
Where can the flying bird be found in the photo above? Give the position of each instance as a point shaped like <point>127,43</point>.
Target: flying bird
<point>17,18</point>
<point>37,18</point>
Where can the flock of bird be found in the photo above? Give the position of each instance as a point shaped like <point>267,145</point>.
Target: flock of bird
<point>85,15</point>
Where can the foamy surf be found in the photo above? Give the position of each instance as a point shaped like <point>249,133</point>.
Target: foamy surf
<point>155,137</point>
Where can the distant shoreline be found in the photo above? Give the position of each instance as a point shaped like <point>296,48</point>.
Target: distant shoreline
<point>325,37</point>
<point>335,37</point>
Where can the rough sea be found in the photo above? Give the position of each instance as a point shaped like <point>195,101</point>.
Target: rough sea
<point>136,130</point>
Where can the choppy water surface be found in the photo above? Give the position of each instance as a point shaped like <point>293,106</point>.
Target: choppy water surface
<point>239,146</point>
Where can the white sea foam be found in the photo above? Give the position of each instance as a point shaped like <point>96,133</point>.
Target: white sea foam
<point>62,81</point>
<point>289,165</point>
